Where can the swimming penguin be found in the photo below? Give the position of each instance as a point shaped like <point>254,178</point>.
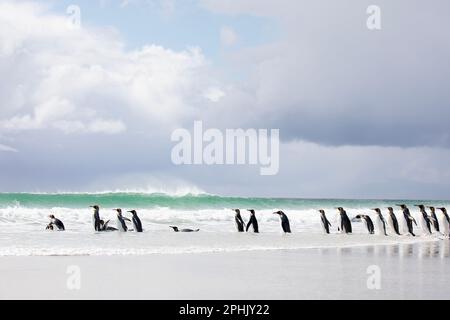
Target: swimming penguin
<point>325,223</point>
<point>239,222</point>
<point>434,219</point>
<point>424,220</point>
<point>136,221</point>
<point>444,222</point>
<point>392,221</point>
<point>284,222</point>
<point>56,222</point>
<point>96,218</point>
<point>345,224</point>
<point>252,222</point>
<point>381,223</point>
<point>184,230</point>
<point>408,219</point>
<point>121,224</point>
<point>104,226</point>
<point>368,221</point>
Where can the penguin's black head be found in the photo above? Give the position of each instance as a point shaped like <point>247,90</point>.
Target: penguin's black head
<point>322,211</point>
<point>237,211</point>
<point>443,209</point>
<point>51,216</point>
<point>119,211</point>
<point>95,207</point>
<point>133,212</point>
<point>359,216</point>
<point>377,210</point>
<point>432,209</point>
<point>340,209</point>
<point>420,206</point>
<point>251,211</point>
<point>403,206</point>
<point>390,208</point>
<point>278,212</point>
<point>174,228</point>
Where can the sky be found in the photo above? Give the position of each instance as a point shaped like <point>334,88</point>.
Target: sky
<point>361,113</point>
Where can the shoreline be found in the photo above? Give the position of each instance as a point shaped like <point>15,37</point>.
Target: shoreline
<point>407,271</point>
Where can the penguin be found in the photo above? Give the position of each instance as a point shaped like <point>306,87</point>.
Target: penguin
<point>184,230</point>
<point>392,221</point>
<point>121,224</point>
<point>49,227</point>
<point>424,220</point>
<point>136,221</point>
<point>239,222</point>
<point>434,219</point>
<point>252,222</point>
<point>381,223</point>
<point>345,224</point>
<point>56,222</point>
<point>285,225</point>
<point>325,223</point>
<point>96,218</point>
<point>104,226</point>
<point>408,219</point>
<point>368,221</point>
<point>444,222</point>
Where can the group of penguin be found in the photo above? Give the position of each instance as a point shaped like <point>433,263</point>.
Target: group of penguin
<point>427,222</point>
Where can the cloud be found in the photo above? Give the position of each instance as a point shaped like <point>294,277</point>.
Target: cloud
<point>5,148</point>
<point>228,36</point>
<point>84,81</point>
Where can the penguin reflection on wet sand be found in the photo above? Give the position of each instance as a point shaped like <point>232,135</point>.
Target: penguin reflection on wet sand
<point>325,223</point>
<point>238,220</point>
<point>434,219</point>
<point>183,230</point>
<point>345,224</point>
<point>136,221</point>
<point>54,222</point>
<point>285,225</point>
<point>252,222</point>
<point>368,222</point>
<point>408,219</point>
<point>381,223</point>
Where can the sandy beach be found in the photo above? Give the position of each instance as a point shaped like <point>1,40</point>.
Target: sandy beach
<point>407,271</point>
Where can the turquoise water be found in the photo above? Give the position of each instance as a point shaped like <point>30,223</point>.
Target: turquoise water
<point>188,202</point>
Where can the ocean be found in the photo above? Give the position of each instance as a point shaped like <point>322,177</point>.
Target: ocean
<point>24,216</point>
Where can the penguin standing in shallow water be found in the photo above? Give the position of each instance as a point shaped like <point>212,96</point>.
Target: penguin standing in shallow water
<point>444,222</point>
<point>368,221</point>
<point>434,219</point>
<point>121,224</point>
<point>345,224</point>
<point>425,222</point>
<point>55,222</point>
<point>325,223</point>
<point>96,218</point>
<point>285,225</point>
<point>252,222</point>
<point>239,222</point>
<point>408,219</point>
<point>381,223</point>
<point>136,221</point>
<point>392,221</point>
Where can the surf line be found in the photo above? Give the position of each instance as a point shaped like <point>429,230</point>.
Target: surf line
<point>234,147</point>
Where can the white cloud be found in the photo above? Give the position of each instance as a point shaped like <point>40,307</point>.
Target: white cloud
<point>84,80</point>
<point>5,148</point>
<point>214,94</point>
<point>228,36</point>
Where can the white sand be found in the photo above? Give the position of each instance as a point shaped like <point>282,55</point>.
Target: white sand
<point>408,271</point>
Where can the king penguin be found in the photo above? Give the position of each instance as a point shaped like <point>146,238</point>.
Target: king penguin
<point>96,218</point>
<point>121,224</point>
<point>345,224</point>
<point>325,223</point>
<point>434,219</point>
<point>408,219</point>
<point>381,223</point>
<point>368,221</point>
<point>424,220</point>
<point>252,222</point>
<point>285,225</point>
<point>136,221</point>
<point>444,222</point>
<point>392,221</point>
<point>56,222</point>
<point>238,220</point>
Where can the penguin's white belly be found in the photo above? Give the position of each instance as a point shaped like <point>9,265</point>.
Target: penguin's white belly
<point>390,223</point>
<point>119,226</point>
<point>379,227</point>
<point>423,225</point>
<point>444,227</point>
